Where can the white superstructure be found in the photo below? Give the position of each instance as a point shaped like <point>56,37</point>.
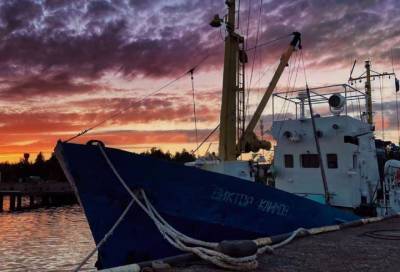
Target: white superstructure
<point>348,154</point>
<point>390,202</point>
<point>354,174</point>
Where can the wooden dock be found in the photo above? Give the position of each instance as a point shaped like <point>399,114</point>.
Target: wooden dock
<point>351,249</point>
<point>40,193</point>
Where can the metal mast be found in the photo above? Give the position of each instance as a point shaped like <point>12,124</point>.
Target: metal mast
<point>368,92</point>
<point>227,131</point>
<point>232,118</point>
<point>367,75</point>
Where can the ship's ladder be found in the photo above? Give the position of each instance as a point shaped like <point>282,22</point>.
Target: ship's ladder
<point>240,96</point>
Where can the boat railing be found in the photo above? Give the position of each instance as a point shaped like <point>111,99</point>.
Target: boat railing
<point>287,105</point>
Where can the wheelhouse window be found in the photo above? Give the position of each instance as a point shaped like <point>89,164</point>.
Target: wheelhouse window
<point>289,162</point>
<point>332,160</point>
<point>309,160</point>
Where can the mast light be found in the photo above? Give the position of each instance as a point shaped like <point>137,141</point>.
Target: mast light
<point>216,21</point>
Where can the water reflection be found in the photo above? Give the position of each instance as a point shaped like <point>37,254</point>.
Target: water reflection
<point>53,239</point>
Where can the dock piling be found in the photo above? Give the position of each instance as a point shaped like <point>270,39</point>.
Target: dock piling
<point>1,202</point>
<point>19,202</point>
<point>31,201</point>
<point>40,194</point>
<point>12,202</point>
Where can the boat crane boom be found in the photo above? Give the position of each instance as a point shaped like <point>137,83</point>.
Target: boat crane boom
<point>249,141</point>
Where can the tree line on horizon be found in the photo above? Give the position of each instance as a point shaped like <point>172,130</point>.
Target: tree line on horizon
<point>50,169</point>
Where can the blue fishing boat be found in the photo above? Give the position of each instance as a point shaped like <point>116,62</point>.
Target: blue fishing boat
<point>220,197</point>
<point>201,204</point>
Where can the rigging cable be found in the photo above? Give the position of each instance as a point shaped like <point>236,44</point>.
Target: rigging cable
<point>263,73</point>
<point>382,116</point>
<point>304,67</point>
<point>256,43</point>
<point>254,58</point>
<point>268,67</point>
<point>290,91</point>
<point>292,68</point>
<point>205,139</point>
<point>238,15</point>
<point>397,102</point>
<point>317,145</point>
<point>194,106</point>
<point>359,108</point>
<point>397,118</point>
<point>281,112</point>
<point>248,22</point>
<point>358,102</point>
<point>83,132</point>
<point>352,103</point>
<point>268,42</point>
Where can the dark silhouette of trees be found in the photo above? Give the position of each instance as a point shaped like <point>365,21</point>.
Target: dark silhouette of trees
<point>26,158</point>
<point>51,170</point>
<point>180,157</point>
<point>39,159</point>
<point>39,166</point>
<point>24,170</point>
<point>183,156</point>
<point>157,153</point>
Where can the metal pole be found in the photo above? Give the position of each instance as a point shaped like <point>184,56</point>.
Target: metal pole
<point>397,118</point>
<point>227,131</point>
<point>273,111</point>
<point>345,99</point>
<point>368,92</point>
<point>321,165</point>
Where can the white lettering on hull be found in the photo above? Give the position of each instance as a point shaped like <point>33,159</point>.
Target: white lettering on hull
<point>244,201</point>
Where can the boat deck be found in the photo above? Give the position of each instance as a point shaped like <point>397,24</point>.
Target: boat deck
<point>345,250</point>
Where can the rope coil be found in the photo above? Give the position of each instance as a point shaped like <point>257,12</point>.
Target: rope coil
<point>207,251</point>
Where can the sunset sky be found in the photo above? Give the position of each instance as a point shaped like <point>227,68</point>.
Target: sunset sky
<point>69,64</point>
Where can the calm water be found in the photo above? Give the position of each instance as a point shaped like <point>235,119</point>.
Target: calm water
<point>53,239</point>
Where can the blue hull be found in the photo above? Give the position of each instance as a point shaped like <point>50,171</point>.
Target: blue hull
<point>201,204</point>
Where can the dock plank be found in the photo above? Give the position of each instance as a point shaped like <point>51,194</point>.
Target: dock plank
<point>339,251</point>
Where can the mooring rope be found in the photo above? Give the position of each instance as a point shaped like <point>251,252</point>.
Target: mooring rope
<point>208,251</point>
<point>105,238</point>
<point>205,250</point>
<point>136,102</point>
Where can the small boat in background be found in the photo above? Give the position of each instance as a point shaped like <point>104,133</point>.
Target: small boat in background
<point>326,171</point>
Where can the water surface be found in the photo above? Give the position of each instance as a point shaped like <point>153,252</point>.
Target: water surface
<point>54,239</point>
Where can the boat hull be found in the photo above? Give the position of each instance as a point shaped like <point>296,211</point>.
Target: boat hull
<point>200,204</point>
